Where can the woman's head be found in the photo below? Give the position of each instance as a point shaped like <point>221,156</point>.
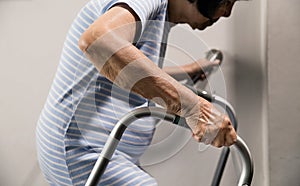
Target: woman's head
<point>213,9</point>
<point>199,14</point>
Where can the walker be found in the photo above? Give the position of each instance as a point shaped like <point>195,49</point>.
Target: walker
<point>160,113</point>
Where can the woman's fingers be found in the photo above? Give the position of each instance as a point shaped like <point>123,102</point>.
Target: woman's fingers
<point>211,126</point>
<point>218,134</point>
<point>205,64</point>
<point>230,137</point>
<point>216,62</point>
<point>226,135</point>
<point>206,67</point>
<point>219,141</point>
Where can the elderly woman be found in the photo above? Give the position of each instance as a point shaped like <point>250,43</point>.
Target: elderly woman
<point>110,64</point>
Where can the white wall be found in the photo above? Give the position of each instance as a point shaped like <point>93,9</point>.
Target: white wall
<point>31,38</point>
<point>242,39</point>
<point>284,88</point>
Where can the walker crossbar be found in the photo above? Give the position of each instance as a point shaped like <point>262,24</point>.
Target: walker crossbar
<point>118,130</point>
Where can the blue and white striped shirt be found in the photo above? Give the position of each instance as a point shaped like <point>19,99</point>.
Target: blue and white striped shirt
<point>83,106</point>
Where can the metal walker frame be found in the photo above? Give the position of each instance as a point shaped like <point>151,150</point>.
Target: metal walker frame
<point>117,132</point>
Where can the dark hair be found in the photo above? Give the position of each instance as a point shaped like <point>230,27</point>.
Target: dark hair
<point>207,7</point>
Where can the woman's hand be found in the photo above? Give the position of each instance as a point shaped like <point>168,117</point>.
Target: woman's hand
<point>199,69</point>
<point>202,68</point>
<point>210,126</point>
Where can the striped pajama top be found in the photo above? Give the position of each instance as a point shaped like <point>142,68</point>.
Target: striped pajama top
<point>83,106</point>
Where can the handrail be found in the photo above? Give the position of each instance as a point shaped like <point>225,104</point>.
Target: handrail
<point>125,121</point>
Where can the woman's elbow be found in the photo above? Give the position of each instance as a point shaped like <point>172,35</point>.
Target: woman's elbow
<point>85,41</point>
<point>91,35</point>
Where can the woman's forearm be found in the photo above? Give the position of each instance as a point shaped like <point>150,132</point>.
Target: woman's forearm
<point>108,45</point>
<point>181,72</point>
<point>130,69</point>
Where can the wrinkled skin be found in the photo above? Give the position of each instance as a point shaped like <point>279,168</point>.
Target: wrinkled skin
<point>129,68</point>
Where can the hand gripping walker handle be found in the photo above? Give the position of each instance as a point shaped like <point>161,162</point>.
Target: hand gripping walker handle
<point>124,122</point>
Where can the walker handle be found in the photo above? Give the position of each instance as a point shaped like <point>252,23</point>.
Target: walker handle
<point>124,122</point>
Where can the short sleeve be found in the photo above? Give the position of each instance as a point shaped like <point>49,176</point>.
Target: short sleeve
<point>145,9</point>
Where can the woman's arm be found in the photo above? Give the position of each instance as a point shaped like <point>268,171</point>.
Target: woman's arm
<point>108,44</point>
<point>202,67</point>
